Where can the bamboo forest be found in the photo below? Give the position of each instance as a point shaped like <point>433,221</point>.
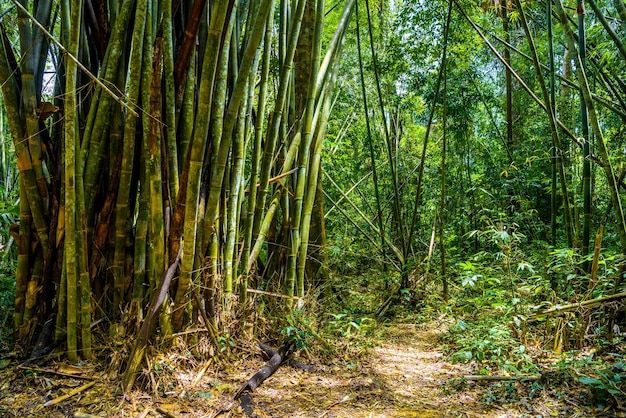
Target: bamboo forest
<point>309,208</point>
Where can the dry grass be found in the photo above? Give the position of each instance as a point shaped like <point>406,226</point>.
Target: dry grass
<point>406,375</point>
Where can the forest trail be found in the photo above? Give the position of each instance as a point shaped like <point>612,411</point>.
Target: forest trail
<point>402,377</point>
<point>406,375</point>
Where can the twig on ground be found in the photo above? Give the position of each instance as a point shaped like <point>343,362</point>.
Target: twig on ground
<point>70,394</point>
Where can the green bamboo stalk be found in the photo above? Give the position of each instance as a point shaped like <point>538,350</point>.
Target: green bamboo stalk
<point>442,201</point>
<point>23,264</point>
<point>256,152</point>
<point>154,158</point>
<point>420,174</point>
<point>185,120</point>
<point>293,283</point>
<point>607,27</point>
<point>148,148</point>
<point>122,210</point>
<point>311,190</point>
<point>333,46</point>
<point>554,155</point>
<point>140,255</point>
<point>400,228</point>
<point>11,101</point>
<point>84,290</point>
<point>245,223</point>
<point>586,144</point>
<point>71,145</point>
<point>269,214</point>
<point>190,190</point>
<point>61,317</point>
<point>170,99</point>
<point>595,125</point>
<point>94,142</point>
<point>276,119</point>
<point>313,174</point>
<point>230,118</point>
<point>35,182</point>
<point>236,180</point>
<point>550,101</point>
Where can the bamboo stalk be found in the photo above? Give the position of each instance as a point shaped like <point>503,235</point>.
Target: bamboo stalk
<point>560,309</point>
<point>122,209</point>
<point>72,57</point>
<point>257,151</point>
<point>595,124</point>
<point>71,145</point>
<point>551,110</point>
<point>186,211</point>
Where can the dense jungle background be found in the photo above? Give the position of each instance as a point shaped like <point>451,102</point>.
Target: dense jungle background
<point>420,200</point>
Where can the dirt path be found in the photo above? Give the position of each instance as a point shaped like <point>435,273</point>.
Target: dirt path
<point>403,377</point>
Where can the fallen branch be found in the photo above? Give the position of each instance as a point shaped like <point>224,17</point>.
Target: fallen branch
<point>268,352</point>
<point>57,372</point>
<point>517,378</point>
<point>266,371</point>
<point>560,309</point>
<point>70,394</point>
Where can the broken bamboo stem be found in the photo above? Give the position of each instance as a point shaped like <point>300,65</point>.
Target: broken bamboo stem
<point>559,309</point>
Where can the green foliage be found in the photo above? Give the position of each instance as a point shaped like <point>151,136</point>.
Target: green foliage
<point>345,325</point>
<point>491,344</point>
<point>298,330</point>
<point>607,383</point>
<point>9,213</point>
<point>502,393</point>
<point>225,342</point>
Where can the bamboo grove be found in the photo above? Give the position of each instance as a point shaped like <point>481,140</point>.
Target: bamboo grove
<point>161,144</point>
<point>169,151</point>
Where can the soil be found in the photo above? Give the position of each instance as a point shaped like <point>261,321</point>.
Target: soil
<point>405,376</point>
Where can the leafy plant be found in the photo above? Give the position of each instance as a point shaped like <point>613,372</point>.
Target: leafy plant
<point>225,342</point>
<point>489,343</point>
<point>298,330</point>
<point>608,383</point>
<point>344,325</point>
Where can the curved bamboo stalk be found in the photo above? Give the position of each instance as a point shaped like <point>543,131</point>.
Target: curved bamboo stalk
<point>73,58</point>
<point>320,125</point>
<point>399,219</point>
<point>606,164</point>
<point>277,115</point>
<point>605,24</point>
<point>551,110</point>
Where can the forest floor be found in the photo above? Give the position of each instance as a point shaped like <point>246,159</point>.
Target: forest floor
<point>405,375</point>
